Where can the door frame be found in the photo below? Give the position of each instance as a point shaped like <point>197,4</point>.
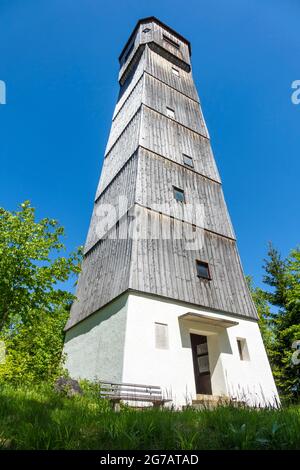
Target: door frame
<point>204,388</point>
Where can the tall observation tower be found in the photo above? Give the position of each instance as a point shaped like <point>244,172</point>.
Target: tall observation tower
<point>162,297</point>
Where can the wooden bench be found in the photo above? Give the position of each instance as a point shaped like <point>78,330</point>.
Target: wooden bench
<point>117,392</point>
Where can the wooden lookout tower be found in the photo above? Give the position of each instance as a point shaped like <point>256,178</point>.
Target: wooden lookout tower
<point>162,297</point>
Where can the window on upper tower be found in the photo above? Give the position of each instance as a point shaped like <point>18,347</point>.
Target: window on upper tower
<point>178,194</point>
<point>170,41</point>
<point>188,161</point>
<point>203,269</point>
<point>170,113</point>
<point>175,71</point>
<point>146,30</point>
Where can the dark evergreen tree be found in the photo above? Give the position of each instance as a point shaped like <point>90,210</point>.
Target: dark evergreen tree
<point>283,276</point>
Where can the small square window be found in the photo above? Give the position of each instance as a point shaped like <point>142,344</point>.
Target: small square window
<point>146,30</point>
<point>161,336</point>
<point>243,349</point>
<point>170,113</point>
<point>203,269</point>
<point>175,71</point>
<point>178,194</point>
<point>188,161</point>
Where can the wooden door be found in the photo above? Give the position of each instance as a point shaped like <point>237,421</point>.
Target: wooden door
<point>201,364</point>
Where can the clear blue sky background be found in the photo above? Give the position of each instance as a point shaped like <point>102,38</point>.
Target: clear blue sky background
<point>59,61</point>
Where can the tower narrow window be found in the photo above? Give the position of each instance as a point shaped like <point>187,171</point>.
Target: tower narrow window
<point>175,71</point>
<point>178,194</point>
<point>188,161</point>
<point>203,270</point>
<point>170,113</point>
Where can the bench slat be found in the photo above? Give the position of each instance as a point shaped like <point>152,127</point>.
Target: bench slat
<point>130,385</point>
<point>115,392</point>
<point>145,395</point>
<point>137,398</point>
<point>130,390</point>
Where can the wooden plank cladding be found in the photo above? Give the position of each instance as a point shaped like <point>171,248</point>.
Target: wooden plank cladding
<point>126,113</point>
<point>104,276</point>
<point>159,162</point>
<point>168,138</point>
<point>159,97</point>
<point>164,71</point>
<point>187,111</point>
<point>114,202</point>
<point>122,150</point>
<point>134,183</point>
<point>151,263</point>
<point>154,32</point>
<point>130,84</point>
<point>204,201</point>
<point>120,195</point>
<point>167,268</point>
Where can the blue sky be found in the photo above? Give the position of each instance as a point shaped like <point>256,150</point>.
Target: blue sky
<point>59,62</point>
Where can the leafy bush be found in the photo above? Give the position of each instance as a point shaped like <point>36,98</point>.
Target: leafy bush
<point>34,348</point>
<point>33,309</point>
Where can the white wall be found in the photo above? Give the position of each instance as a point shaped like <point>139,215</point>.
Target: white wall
<point>118,344</point>
<point>172,369</point>
<point>95,347</point>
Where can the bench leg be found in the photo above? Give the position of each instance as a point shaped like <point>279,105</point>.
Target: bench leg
<point>158,405</point>
<point>116,406</point>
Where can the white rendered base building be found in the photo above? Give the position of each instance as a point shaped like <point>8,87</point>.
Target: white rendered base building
<point>118,344</point>
<point>162,299</point>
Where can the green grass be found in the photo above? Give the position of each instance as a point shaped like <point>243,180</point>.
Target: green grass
<point>38,418</point>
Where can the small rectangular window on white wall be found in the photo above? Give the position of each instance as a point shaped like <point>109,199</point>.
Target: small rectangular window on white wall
<point>243,349</point>
<point>161,336</point>
<point>175,71</point>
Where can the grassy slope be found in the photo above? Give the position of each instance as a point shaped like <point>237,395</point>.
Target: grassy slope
<point>38,418</point>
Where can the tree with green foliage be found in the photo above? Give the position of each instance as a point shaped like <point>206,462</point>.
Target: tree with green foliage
<point>283,276</point>
<point>264,315</point>
<point>33,308</point>
<point>34,348</point>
